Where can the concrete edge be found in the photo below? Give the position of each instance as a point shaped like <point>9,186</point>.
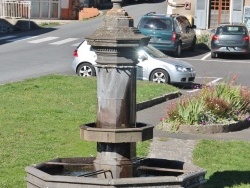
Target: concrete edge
<point>146,104</point>
<point>22,24</point>
<point>207,129</point>
<point>213,129</point>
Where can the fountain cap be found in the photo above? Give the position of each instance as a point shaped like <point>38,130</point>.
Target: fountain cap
<point>117,31</point>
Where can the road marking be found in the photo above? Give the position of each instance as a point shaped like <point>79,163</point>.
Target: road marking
<point>64,41</point>
<point>21,38</point>
<point>206,56</point>
<point>207,77</point>
<point>192,91</point>
<point>43,40</point>
<point>241,61</point>
<point>77,44</point>
<point>213,82</point>
<point>7,37</point>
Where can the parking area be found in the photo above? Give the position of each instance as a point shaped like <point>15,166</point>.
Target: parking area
<point>211,71</point>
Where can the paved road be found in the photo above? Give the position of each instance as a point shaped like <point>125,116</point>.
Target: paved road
<point>49,51</point>
<point>218,69</point>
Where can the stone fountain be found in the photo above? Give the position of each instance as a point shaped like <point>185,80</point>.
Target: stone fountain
<point>116,130</point>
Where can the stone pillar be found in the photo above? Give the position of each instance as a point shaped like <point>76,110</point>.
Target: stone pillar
<point>116,43</point>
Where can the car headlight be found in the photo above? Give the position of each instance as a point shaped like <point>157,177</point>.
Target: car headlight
<point>180,68</point>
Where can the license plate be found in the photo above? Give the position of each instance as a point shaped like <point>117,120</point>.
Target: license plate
<point>154,39</point>
<point>230,49</point>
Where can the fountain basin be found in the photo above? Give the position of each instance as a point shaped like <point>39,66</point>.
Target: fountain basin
<point>78,173</point>
<point>139,133</point>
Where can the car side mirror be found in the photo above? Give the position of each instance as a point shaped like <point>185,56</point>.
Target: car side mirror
<point>142,57</point>
<point>212,31</point>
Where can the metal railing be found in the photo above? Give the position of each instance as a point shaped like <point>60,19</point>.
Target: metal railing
<point>15,9</point>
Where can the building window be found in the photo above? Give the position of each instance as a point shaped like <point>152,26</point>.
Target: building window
<point>219,12</point>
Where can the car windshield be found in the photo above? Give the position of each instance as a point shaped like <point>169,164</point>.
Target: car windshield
<point>153,52</point>
<point>155,23</point>
<point>231,30</point>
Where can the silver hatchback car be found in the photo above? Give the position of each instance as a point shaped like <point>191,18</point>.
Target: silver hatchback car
<point>153,65</point>
<point>230,38</point>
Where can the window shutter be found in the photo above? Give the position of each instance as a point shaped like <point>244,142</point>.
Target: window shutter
<point>201,14</point>
<point>237,11</point>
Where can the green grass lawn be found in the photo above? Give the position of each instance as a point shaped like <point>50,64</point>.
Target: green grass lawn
<point>227,163</point>
<point>40,119</point>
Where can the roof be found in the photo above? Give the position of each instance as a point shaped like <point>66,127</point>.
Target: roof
<point>161,15</point>
<point>232,23</point>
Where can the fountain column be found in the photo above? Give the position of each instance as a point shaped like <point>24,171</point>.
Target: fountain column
<point>116,43</point>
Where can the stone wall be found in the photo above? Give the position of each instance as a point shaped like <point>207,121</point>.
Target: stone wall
<point>6,27</point>
<point>87,13</point>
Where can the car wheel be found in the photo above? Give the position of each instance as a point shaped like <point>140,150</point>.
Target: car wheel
<point>177,52</point>
<point>86,70</point>
<point>213,55</point>
<point>159,76</point>
<point>193,46</point>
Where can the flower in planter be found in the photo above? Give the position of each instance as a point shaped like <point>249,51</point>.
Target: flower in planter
<point>223,103</point>
<point>248,119</point>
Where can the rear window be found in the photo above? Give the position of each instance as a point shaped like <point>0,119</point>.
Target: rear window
<point>153,52</point>
<point>155,23</point>
<point>232,30</point>
<point>183,21</point>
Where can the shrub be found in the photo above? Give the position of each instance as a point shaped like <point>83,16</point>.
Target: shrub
<point>203,40</point>
<point>49,24</point>
<point>223,103</point>
<point>186,111</point>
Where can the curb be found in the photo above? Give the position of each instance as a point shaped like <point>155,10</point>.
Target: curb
<point>146,104</point>
<point>212,129</point>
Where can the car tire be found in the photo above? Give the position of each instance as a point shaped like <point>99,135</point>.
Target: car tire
<point>177,52</point>
<point>160,76</point>
<point>86,70</point>
<point>213,55</point>
<point>193,45</point>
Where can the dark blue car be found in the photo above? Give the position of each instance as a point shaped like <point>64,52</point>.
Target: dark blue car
<point>170,33</point>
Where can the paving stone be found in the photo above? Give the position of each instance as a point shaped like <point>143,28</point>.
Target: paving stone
<point>172,149</point>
